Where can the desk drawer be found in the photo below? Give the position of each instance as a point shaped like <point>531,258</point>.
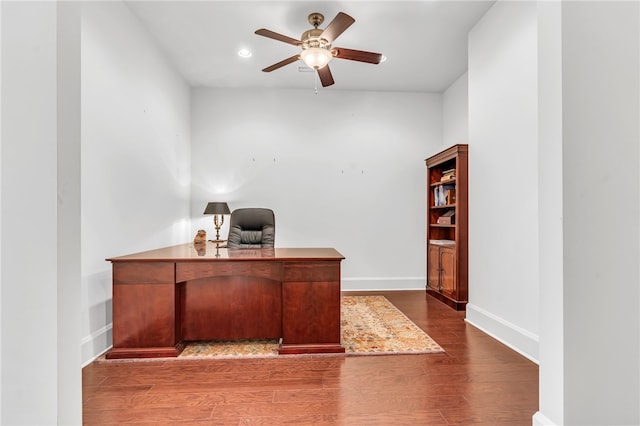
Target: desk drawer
<point>306,271</point>
<point>186,271</point>
<point>143,272</point>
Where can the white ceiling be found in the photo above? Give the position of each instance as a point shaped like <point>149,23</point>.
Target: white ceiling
<point>425,41</point>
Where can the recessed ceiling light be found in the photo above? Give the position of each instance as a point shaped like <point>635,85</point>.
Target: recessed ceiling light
<point>244,53</point>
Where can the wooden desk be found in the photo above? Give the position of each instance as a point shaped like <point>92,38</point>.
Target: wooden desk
<point>164,297</point>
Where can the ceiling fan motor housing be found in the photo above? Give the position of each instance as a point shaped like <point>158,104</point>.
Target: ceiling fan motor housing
<point>311,38</point>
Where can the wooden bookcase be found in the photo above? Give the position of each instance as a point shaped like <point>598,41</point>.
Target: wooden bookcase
<point>447,226</point>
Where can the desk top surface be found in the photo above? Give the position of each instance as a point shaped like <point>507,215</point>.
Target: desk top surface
<point>212,252</point>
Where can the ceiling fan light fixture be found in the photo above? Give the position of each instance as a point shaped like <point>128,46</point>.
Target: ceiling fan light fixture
<point>316,57</point>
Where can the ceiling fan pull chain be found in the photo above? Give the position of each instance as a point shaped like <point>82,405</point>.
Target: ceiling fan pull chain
<point>315,82</point>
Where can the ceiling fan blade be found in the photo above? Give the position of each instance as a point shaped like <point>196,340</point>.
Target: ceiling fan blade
<point>270,34</point>
<point>325,76</point>
<point>282,63</point>
<point>357,55</point>
<point>340,23</point>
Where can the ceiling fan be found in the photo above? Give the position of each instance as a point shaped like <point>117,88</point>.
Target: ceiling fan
<point>316,46</point>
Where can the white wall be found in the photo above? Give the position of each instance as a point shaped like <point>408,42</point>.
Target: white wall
<point>69,218</point>
<point>135,156</point>
<point>503,176</point>
<point>551,348</point>
<point>1,258</point>
<point>340,169</point>
<point>455,112</point>
<point>29,214</point>
<point>601,138</point>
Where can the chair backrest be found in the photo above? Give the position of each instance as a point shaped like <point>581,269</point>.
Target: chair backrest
<point>252,228</point>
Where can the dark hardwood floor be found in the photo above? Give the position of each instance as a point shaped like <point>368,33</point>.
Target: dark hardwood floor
<point>478,381</point>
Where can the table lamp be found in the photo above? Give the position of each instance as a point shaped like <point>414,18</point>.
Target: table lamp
<point>218,210</point>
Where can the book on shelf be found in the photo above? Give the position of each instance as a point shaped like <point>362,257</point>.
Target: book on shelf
<point>444,195</point>
<point>450,196</point>
<point>438,196</point>
<point>448,175</point>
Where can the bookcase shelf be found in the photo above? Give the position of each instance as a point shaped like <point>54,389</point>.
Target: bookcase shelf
<point>446,182</point>
<point>447,247</point>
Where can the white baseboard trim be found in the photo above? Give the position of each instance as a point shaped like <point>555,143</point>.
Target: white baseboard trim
<point>540,419</point>
<point>517,338</point>
<point>96,344</point>
<point>383,283</point>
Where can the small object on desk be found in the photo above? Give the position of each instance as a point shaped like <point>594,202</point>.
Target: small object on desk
<point>201,237</point>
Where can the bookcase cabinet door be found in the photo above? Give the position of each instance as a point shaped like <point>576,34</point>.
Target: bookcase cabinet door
<point>442,270</point>
<point>433,278</point>
<point>448,272</point>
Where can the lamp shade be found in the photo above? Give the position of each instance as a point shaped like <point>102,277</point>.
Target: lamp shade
<point>217,208</point>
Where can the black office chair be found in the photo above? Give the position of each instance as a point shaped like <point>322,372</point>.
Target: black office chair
<point>252,228</point>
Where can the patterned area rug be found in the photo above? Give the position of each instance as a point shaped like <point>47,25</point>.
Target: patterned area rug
<point>370,325</point>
